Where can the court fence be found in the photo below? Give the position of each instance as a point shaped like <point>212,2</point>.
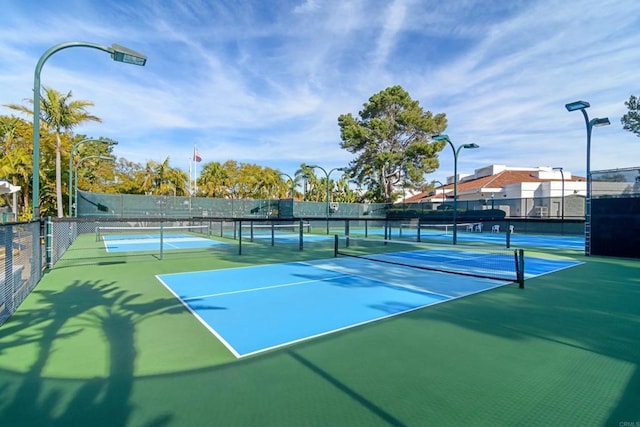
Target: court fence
<point>103,205</point>
<point>28,249</point>
<point>23,263</point>
<point>615,227</point>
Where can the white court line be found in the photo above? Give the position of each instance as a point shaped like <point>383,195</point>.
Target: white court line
<point>266,287</point>
<point>239,355</point>
<point>201,320</point>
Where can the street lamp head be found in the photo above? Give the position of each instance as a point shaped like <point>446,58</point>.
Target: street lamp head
<point>126,55</point>
<point>557,169</point>
<point>600,122</point>
<point>472,145</point>
<point>577,105</point>
<point>441,137</point>
<point>94,157</point>
<point>313,166</point>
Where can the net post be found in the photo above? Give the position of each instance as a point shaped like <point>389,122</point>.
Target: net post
<point>161,239</point>
<point>273,233</point>
<point>419,228</point>
<point>520,267</point>
<point>508,236</point>
<point>239,223</point>
<point>335,245</point>
<point>301,234</point>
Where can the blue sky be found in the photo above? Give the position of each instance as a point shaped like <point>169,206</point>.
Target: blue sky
<point>265,81</point>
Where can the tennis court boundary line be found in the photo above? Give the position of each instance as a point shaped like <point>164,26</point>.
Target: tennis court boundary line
<point>494,284</point>
<point>200,319</point>
<point>499,284</point>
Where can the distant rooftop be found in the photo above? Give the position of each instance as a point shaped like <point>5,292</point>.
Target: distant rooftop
<point>495,178</point>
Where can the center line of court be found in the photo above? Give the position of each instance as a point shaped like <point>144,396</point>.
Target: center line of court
<point>266,287</point>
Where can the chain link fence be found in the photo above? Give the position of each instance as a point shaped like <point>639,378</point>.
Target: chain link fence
<point>22,258</point>
<point>99,205</point>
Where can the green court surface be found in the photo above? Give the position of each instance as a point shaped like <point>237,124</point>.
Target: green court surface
<point>100,342</point>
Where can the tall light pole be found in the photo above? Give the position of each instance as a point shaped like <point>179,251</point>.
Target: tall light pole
<point>117,52</point>
<point>75,188</point>
<point>327,174</point>
<point>456,153</point>
<point>590,124</point>
<point>562,200</point>
<point>73,150</point>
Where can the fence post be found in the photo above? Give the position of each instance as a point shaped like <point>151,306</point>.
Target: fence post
<point>49,242</point>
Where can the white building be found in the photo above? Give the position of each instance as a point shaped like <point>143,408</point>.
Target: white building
<point>539,191</point>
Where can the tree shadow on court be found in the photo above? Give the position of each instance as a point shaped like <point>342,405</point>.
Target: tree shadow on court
<point>592,308</point>
<point>378,411</point>
<point>98,400</point>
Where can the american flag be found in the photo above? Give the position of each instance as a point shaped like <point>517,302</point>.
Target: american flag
<point>196,155</point>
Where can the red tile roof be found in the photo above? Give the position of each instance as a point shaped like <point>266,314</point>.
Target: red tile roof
<point>499,180</point>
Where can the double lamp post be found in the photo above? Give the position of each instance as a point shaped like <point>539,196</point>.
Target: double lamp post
<point>590,124</point>
<point>456,153</point>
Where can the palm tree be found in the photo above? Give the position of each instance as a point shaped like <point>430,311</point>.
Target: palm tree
<point>162,179</point>
<point>15,155</point>
<point>314,188</point>
<point>60,115</point>
<point>171,181</point>
<point>150,177</point>
<point>213,180</point>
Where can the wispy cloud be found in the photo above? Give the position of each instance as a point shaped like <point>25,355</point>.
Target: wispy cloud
<point>264,82</point>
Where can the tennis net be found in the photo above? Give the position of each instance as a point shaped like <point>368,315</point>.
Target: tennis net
<point>154,232</point>
<point>262,229</point>
<point>482,262</point>
<point>427,230</point>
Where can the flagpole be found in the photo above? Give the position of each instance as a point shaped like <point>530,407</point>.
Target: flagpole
<point>195,169</point>
<point>190,183</point>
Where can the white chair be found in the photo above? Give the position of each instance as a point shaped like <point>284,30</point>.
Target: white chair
<point>511,229</point>
<point>495,228</point>
<point>469,227</point>
<point>479,227</point>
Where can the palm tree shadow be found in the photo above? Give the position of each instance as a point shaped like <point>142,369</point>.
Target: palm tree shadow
<point>98,400</point>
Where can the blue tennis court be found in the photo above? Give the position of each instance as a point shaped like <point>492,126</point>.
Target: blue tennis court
<point>151,242</point>
<point>254,309</point>
<point>446,235</point>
